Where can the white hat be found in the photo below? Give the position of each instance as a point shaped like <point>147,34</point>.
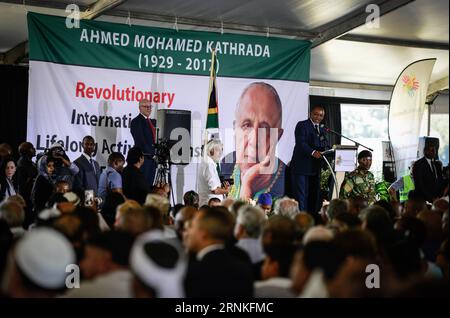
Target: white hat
<point>43,255</point>
<point>72,197</point>
<point>167,281</point>
<point>47,214</point>
<point>56,145</point>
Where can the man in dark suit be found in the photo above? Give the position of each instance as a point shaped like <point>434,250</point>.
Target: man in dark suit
<point>89,170</point>
<point>305,166</point>
<point>427,174</point>
<point>214,270</point>
<point>144,134</point>
<point>135,186</point>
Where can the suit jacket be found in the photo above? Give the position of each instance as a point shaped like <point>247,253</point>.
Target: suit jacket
<point>426,185</point>
<point>86,178</point>
<point>142,134</point>
<point>219,274</point>
<point>26,174</point>
<point>306,141</point>
<point>134,184</point>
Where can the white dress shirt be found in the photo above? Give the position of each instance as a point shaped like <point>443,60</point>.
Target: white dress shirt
<point>208,180</point>
<point>253,247</point>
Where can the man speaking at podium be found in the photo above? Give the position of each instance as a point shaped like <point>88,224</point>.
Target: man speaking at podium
<point>310,141</point>
<point>143,130</point>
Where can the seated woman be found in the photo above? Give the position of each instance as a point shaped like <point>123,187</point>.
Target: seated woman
<point>8,180</point>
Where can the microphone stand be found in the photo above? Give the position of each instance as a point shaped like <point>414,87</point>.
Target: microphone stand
<point>354,141</point>
<point>324,153</point>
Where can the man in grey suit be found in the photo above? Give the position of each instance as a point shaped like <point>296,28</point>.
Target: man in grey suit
<point>88,176</point>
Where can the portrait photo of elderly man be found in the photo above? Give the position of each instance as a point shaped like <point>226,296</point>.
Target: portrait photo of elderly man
<point>253,165</point>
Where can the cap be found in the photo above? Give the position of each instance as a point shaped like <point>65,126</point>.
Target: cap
<point>159,263</point>
<point>43,255</point>
<point>265,198</point>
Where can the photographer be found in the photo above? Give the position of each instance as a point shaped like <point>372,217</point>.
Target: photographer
<point>64,169</point>
<point>209,185</point>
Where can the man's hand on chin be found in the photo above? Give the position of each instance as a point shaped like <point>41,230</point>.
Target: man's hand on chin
<point>257,177</point>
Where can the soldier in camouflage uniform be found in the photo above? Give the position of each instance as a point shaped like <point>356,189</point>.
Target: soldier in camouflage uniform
<point>360,182</point>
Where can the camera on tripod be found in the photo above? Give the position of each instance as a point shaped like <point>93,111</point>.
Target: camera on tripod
<point>162,151</point>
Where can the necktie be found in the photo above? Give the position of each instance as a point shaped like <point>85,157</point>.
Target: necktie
<point>93,165</point>
<point>218,168</point>
<point>152,127</point>
<point>433,169</point>
<point>316,127</point>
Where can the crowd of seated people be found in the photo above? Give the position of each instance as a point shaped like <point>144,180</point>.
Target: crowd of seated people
<point>137,244</point>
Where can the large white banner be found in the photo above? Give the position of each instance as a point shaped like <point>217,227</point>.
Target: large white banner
<point>84,82</point>
<point>406,112</point>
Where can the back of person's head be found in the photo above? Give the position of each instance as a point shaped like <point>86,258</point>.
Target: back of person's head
<point>117,243</point>
<point>325,256</point>
<point>278,261</point>
<point>12,213</point>
<point>159,202</point>
<point>233,208</point>
<point>89,221</point>
<point>251,220</point>
<point>182,219</point>
<point>25,148</point>
<point>412,229</point>
<point>286,207</point>
<point>357,204</point>
<point>389,208</point>
<point>109,208</point>
<point>155,217</point>
<point>5,150</point>
<point>433,224</point>
<point>348,221</point>
<point>336,207</point>
<point>414,205</point>
<point>115,157</point>
<point>18,199</point>
<point>41,259</point>
<point>70,226</point>
<point>357,243</point>
<point>405,259</point>
<point>279,230</point>
<point>214,202</point>
<point>217,222</point>
<point>317,233</point>
<point>158,266</point>
<point>191,198</point>
<point>132,218</point>
<point>134,155</point>
<point>303,222</point>
<point>377,221</point>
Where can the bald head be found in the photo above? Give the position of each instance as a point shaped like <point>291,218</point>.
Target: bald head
<point>258,91</point>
